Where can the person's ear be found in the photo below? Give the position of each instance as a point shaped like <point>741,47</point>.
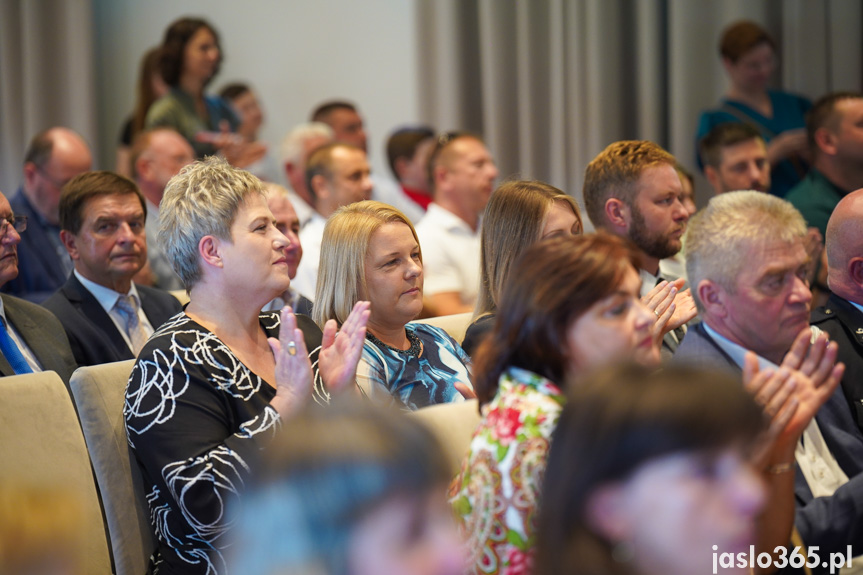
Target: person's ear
<point>855,271</point>
<point>320,188</point>
<point>617,214</point>
<point>712,297</point>
<point>606,512</point>
<point>826,141</point>
<point>70,241</point>
<point>209,248</point>
<point>401,165</point>
<point>30,171</point>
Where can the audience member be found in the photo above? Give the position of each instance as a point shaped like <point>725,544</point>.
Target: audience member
<point>210,386</point>
<point>106,317</point>
<point>348,128</point>
<point>150,88</point>
<point>749,57</point>
<point>408,151</point>
<point>735,158</point>
<point>832,125</point>
<point>747,262</point>
<point>461,176</point>
<point>571,305</point>
<point>350,490</point>
<point>297,146</point>
<point>53,157</point>
<point>288,224</point>
<point>191,57</point>
<point>632,190</point>
<point>675,266</point>
<point>157,156</point>
<point>245,104</point>
<point>31,338</point>
<point>648,473</point>
<point>519,214</point>
<point>371,252</point>
<point>842,317</point>
<point>336,175</point>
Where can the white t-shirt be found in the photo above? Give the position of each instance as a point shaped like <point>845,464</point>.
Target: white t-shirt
<point>451,251</point>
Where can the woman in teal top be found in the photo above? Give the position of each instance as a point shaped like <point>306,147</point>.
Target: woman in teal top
<point>190,59</point>
<point>749,57</point>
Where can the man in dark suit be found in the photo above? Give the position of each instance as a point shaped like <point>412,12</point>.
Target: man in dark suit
<point>53,157</point>
<point>842,316</point>
<point>748,265</point>
<point>31,338</point>
<point>105,315</point>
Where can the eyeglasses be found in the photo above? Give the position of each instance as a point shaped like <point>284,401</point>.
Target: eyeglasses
<point>17,222</point>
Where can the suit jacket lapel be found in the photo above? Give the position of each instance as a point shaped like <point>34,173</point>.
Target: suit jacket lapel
<point>29,332</point>
<point>90,307</point>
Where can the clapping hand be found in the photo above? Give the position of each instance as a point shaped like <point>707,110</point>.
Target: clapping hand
<point>341,349</point>
<point>293,369</point>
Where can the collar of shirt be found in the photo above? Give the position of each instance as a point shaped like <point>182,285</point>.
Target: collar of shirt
<point>734,351</point>
<point>449,221</point>
<point>106,297</point>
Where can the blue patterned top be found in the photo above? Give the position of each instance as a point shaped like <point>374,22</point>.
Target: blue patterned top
<point>386,376</point>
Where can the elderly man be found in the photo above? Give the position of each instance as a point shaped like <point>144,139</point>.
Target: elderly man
<point>735,158</point>
<point>105,315</point>
<point>833,129</point>
<point>288,223</point>
<point>31,338</point>
<point>747,262</point>
<point>842,316</point>
<point>157,156</point>
<point>632,189</point>
<point>53,157</point>
<point>297,146</point>
<point>336,175</point>
<point>461,176</point>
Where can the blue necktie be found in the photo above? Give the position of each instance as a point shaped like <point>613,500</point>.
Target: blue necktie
<point>11,352</point>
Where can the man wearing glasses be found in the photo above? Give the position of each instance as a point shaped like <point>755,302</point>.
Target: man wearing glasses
<point>53,157</point>
<point>31,338</point>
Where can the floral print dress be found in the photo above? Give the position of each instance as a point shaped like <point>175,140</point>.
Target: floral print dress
<point>496,493</point>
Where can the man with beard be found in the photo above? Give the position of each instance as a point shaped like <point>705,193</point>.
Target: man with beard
<point>632,189</point>
<point>735,158</point>
<point>105,315</point>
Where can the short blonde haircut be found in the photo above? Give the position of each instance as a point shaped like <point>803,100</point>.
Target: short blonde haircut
<point>341,273</point>
<point>513,221</point>
<point>202,200</point>
<point>718,237</point>
<point>614,173</point>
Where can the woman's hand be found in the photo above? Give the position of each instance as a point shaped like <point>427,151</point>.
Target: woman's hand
<point>293,368</point>
<point>341,349</point>
<point>787,144</point>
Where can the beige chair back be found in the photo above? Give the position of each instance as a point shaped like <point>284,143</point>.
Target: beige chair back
<point>41,442</point>
<point>453,424</point>
<point>99,393</point>
<point>455,325</point>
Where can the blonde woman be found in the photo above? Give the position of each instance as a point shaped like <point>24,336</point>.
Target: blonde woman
<point>370,251</point>
<point>519,214</point>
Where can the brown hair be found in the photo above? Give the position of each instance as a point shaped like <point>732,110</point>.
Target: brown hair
<point>823,115</point>
<point>741,37</point>
<point>553,283</point>
<point>82,188</point>
<point>320,163</point>
<point>616,421</point>
<point>146,95</point>
<point>723,136</point>
<point>614,173</point>
<point>177,36</point>
<point>443,141</point>
<point>403,143</point>
<point>512,222</point>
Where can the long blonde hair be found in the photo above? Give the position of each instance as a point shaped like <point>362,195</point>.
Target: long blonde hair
<point>513,221</point>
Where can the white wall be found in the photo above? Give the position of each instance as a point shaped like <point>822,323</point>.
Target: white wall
<point>295,53</point>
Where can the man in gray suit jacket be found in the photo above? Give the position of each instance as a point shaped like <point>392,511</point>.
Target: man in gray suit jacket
<point>747,261</point>
<point>31,334</point>
<point>105,315</point>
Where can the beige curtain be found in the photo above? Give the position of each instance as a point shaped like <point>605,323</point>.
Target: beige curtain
<point>550,83</point>
<point>46,75</point>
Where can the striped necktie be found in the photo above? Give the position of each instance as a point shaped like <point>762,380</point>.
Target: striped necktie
<point>11,351</point>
